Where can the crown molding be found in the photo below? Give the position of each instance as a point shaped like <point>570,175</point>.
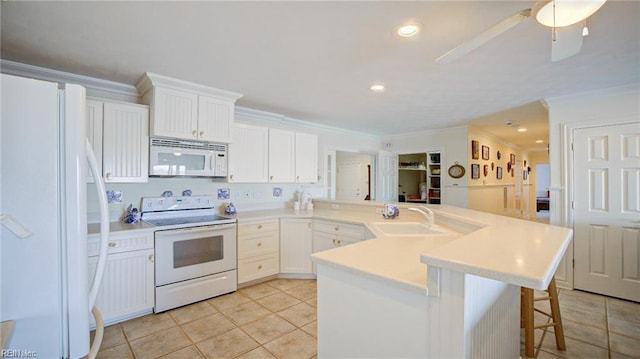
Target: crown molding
<point>46,74</point>
<point>265,118</point>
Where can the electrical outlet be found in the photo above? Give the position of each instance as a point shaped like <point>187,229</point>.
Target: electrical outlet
<point>335,206</point>
<point>379,210</point>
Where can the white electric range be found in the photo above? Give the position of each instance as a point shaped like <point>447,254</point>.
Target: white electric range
<point>195,250</point>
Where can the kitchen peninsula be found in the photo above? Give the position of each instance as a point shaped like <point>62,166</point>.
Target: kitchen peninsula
<point>454,296</point>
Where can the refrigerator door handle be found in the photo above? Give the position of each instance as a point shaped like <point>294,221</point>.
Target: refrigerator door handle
<point>104,224</point>
<point>12,224</point>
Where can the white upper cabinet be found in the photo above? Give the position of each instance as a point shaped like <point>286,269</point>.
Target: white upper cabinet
<point>125,142</point>
<point>215,119</point>
<point>306,157</point>
<point>181,109</point>
<point>94,131</point>
<point>293,156</point>
<point>282,146</point>
<point>175,113</point>
<point>248,154</point>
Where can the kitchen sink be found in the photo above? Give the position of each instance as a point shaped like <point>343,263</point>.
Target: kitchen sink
<point>408,228</point>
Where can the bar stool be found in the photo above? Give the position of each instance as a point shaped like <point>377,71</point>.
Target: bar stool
<point>527,309</point>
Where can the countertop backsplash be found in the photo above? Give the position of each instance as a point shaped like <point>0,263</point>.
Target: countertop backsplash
<point>245,196</point>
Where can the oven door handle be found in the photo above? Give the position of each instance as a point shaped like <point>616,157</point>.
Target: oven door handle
<point>209,228</point>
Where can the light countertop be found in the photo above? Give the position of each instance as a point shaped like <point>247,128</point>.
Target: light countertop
<point>506,249</point>
<point>94,228</point>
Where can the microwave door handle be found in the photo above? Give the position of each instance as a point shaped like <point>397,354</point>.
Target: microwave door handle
<point>211,163</point>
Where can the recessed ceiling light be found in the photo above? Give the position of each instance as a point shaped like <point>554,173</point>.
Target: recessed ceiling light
<point>522,129</point>
<point>408,30</point>
<point>539,141</point>
<point>377,88</point>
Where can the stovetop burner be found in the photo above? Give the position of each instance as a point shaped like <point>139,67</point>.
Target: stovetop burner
<point>179,212</point>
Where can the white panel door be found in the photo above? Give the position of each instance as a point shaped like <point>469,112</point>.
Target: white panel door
<point>175,114</point>
<point>306,157</point>
<point>215,119</point>
<point>126,143</point>
<point>387,177</point>
<point>94,131</point>
<point>295,246</point>
<point>607,210</point>
<point>281,155</point>
<point>249,154</point>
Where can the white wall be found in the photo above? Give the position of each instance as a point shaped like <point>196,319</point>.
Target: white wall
<point>451,143</point>
<point>493,195</point>
<point>609,106</point>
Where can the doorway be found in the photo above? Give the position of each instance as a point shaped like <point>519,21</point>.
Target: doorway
<point>542,182</point>
<point>352,174</point>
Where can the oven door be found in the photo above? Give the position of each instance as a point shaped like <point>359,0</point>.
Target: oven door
<point>194,252</point>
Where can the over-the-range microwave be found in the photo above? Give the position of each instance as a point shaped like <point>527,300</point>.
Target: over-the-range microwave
<point>175,157</point>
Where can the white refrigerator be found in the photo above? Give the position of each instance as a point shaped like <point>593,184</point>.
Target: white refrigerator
<point>43,241</point>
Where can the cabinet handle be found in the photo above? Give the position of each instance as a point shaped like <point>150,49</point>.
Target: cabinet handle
<point>334,242</point>
<point>309,224</point>
<point>194,133</point>
<point>259,244</point>
<point>297,178</point>
<point>201,133</point>
<point>339,241</point>
<point>112,244</point>
<point>259,226</point>
<point>231,177</point>
<point>108,176</point>
<point>151,258</point>
<point>336,228</point>
<point>270,178</point>
<point>260,266</point>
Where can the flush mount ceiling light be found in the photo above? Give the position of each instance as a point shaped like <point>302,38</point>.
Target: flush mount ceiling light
<point>522,129</point>
<point>561,13</point>
<point>377,88</point>
<point>539,141</point>
<point>408,30</point>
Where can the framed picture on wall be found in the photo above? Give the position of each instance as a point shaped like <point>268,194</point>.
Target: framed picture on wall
<point>475,150</point>
<point>512,159</point>
<point>525,175</point>
<point>475,171</point>
<point>499,172</point>
<point>485,152</point>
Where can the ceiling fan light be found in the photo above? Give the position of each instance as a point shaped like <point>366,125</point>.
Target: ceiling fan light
<point>567,12</point>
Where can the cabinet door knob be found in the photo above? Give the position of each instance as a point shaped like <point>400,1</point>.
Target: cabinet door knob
<point>259,244</point>
<point>260,266</point>
<point>259,226</point>
<point>194,133</point>
<point>309,224</point>
<point>337,228</point>
<point>108,176</point>
<point>201,133</point>
<point>334,242</point>
<point>151,258</point>
<point>112,244</point>
<point>297,178</point>
<point>231,177</point>
<point>271,178</point>
<point>339,241</point>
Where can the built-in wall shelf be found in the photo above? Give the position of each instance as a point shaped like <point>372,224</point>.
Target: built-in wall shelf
<point>419,177</point>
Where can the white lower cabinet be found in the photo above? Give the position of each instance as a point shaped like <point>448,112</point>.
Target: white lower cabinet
<point>127,289</point>
<point>333,234</point>
<point>295,246</point>
<point>258,249</point>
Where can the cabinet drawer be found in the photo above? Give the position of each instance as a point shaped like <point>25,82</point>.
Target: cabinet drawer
<point>258,267</point>
<point>342,229</point>
<point>258,243</point>
<point>258,227</point>
<point>121,242</point>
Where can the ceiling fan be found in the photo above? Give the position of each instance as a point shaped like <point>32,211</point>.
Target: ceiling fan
<point>564,17</point>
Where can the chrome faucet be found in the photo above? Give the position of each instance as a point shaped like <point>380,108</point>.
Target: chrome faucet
<point>427,213</point>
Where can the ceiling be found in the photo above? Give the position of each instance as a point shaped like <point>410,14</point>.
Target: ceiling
<point>315,61</point>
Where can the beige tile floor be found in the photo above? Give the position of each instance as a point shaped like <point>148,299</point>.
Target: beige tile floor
<point>277,319</point>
